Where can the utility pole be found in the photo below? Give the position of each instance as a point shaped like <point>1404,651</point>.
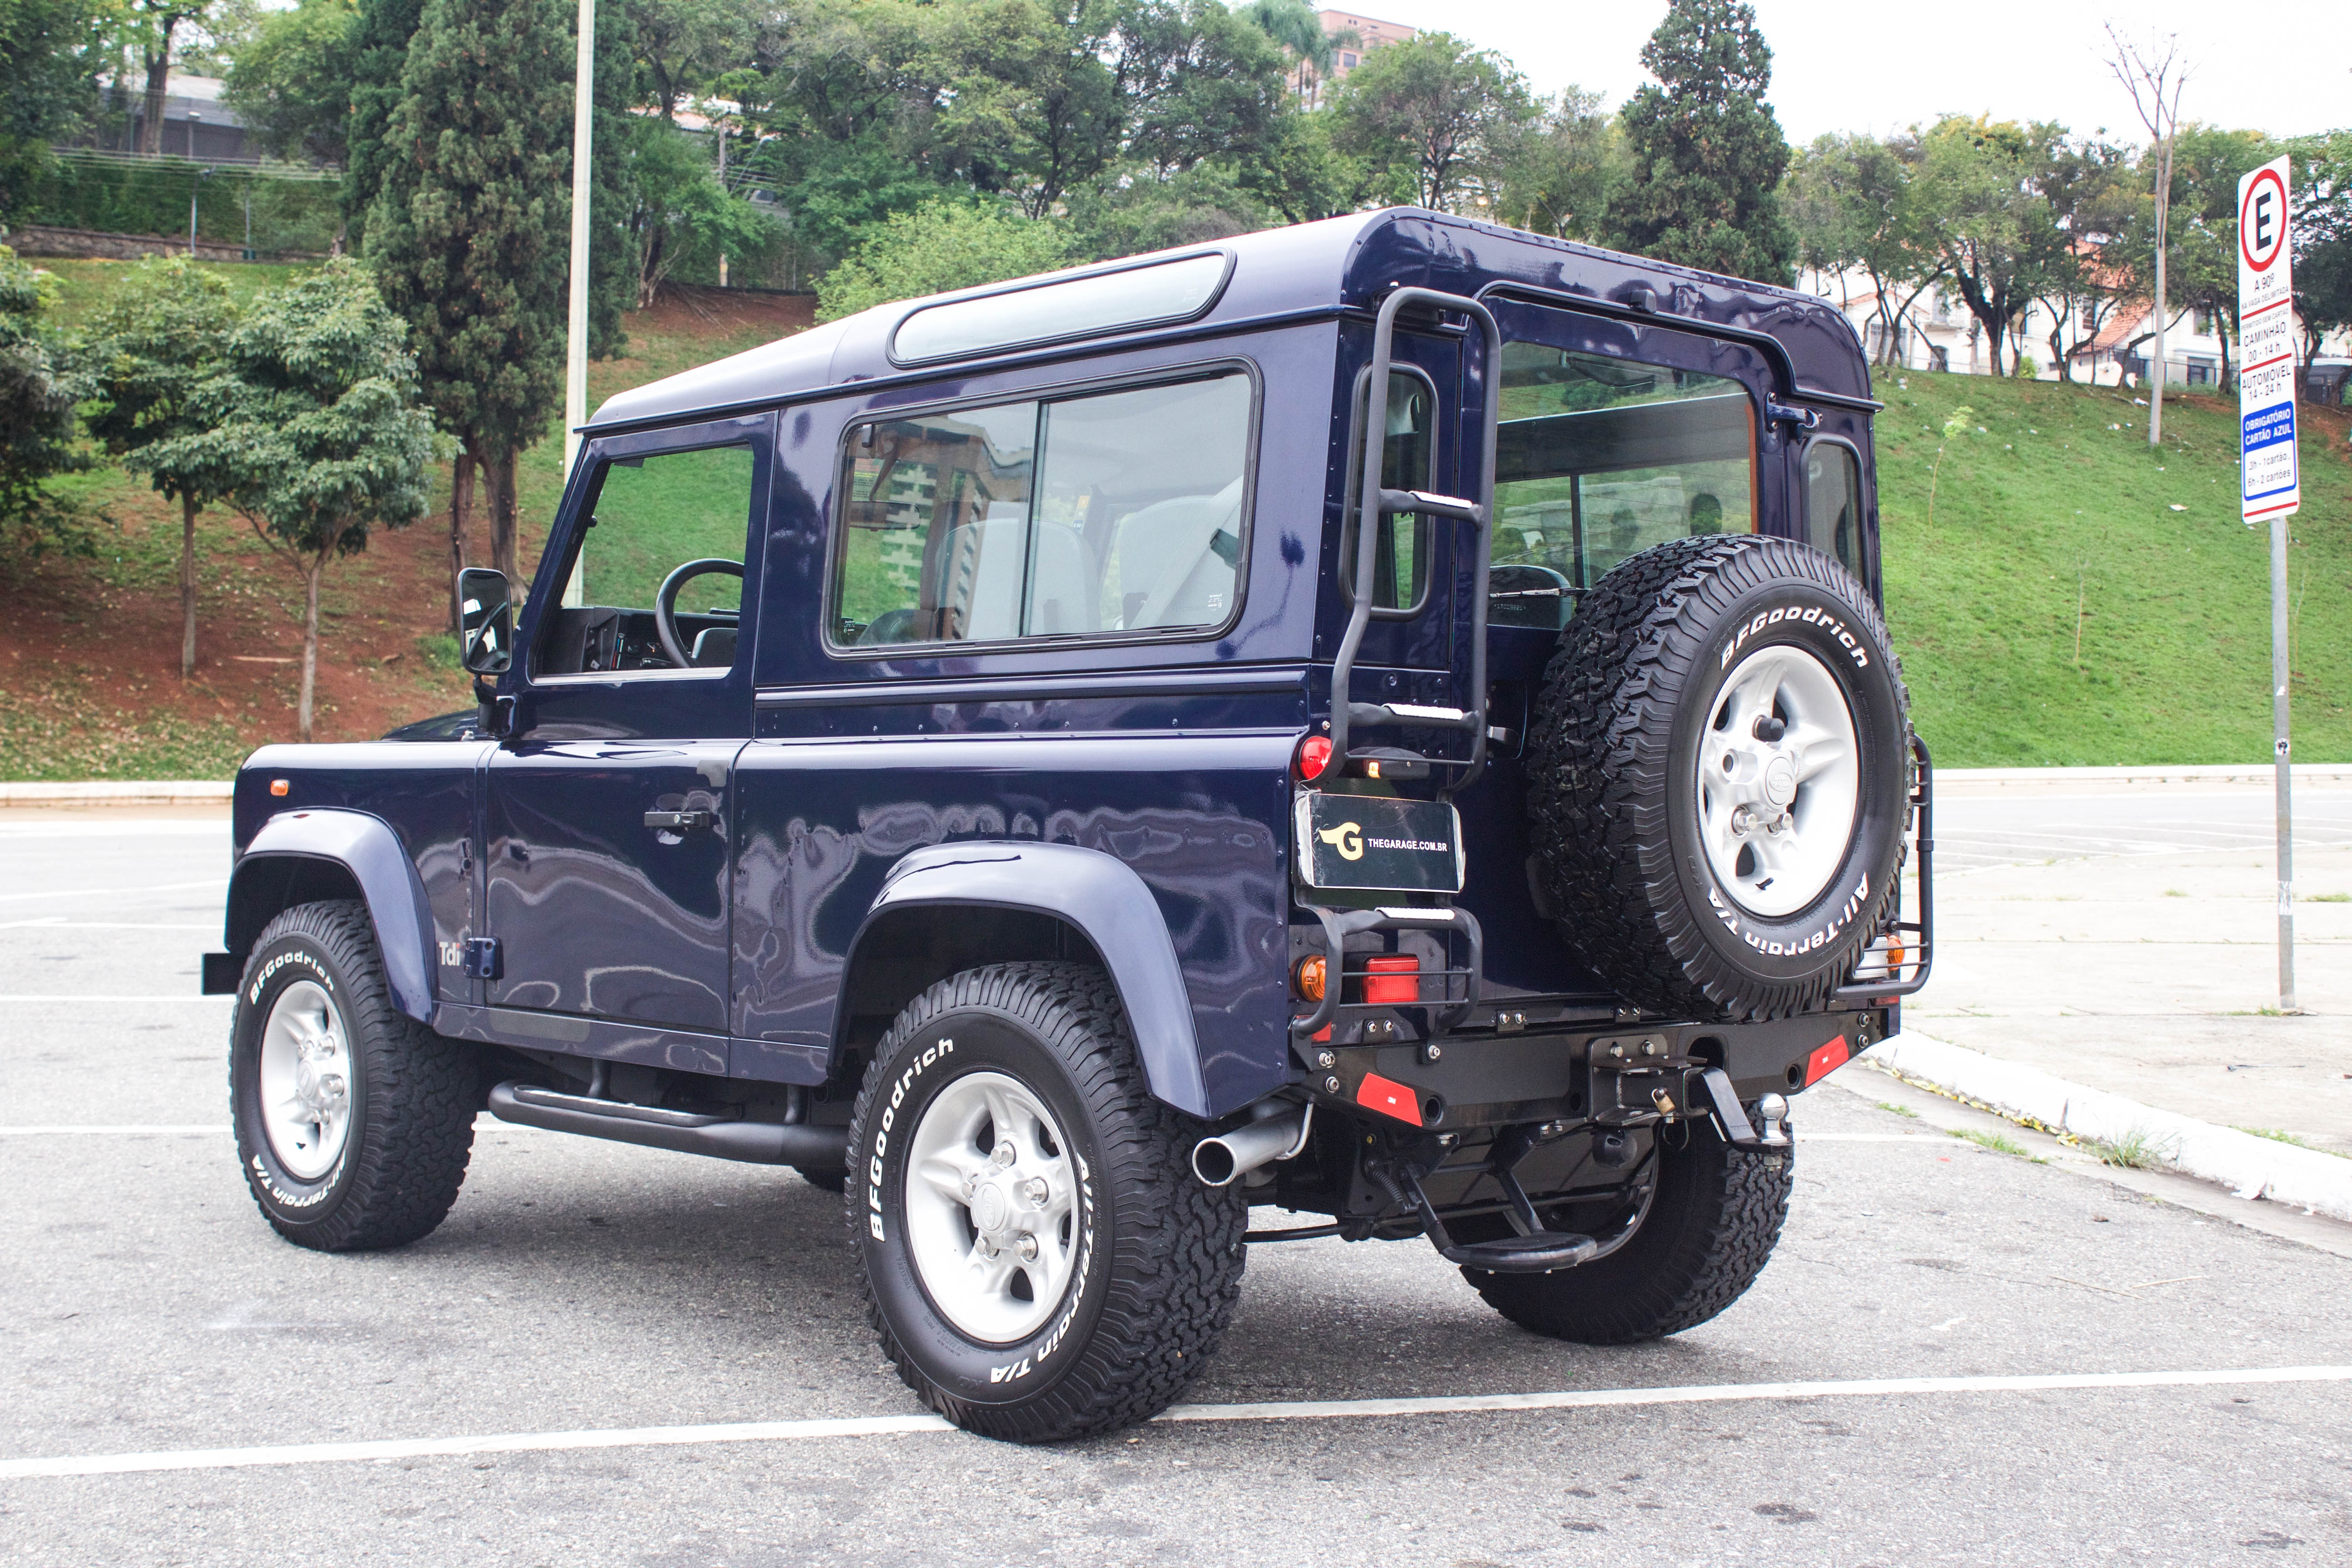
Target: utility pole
<point>583,128</point>
<point>718,124</point>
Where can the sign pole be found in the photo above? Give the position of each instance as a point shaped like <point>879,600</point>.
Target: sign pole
<point>2270,478</point>
<point>2281,743</point>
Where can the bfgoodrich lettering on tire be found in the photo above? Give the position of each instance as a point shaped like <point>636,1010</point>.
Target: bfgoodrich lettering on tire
<point>353,1122</point>
<point>1036,1258</point>
<point>1719,775</point>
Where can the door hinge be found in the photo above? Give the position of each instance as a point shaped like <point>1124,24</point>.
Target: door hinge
<point>484,958</point>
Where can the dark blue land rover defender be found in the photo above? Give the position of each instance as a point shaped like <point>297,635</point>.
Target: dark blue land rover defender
<point>1388,720</point>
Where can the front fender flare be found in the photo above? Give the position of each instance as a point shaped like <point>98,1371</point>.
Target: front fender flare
<point>366,848</point>
<point>1107,901</point>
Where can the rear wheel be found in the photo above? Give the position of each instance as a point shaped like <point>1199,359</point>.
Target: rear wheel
<point>354,1122</point>
<point>1709,1231</point>
<point>1037,1260</point>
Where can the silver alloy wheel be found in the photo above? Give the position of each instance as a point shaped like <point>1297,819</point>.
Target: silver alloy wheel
<point>991,1207</point>
<point>1779,781</point>
<point>305,1087</point>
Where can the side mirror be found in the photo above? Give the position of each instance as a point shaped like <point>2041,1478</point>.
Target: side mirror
<point>486,618</point>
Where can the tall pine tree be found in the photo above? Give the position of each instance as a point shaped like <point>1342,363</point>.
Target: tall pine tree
<point>469,234</point>
<point>379,53</point>
<point>1706,150</point>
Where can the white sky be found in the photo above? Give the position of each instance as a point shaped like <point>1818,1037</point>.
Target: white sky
<point>1877,65</point>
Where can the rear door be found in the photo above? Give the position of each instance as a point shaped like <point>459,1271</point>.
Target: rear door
<point>1612,437</point>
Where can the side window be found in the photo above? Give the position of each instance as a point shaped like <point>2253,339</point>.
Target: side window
<point>1833,502</point>
<point>1598,459</point>
<point>1408,453</point>
<point>1078,516</point>
<point>652,515</point>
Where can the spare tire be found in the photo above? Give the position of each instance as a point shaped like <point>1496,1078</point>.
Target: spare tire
<point>1719,774</point>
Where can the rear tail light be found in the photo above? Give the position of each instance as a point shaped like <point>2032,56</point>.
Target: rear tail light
<point>1314,755</point>
<point>1392,980</point>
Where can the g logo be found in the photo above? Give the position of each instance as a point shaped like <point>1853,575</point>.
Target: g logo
<point>1347,837</point>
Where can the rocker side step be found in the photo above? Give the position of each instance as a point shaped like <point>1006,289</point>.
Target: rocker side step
<point>687,1132</point>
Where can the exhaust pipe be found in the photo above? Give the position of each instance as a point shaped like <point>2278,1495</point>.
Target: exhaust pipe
<point>1222,1161</point>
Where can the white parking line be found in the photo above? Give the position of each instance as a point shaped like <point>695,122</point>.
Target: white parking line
<point>1300,1410</point>
<point>158,1129</point>
<point>59,923</point>
<point>85,996</point>
<point>117,892</point>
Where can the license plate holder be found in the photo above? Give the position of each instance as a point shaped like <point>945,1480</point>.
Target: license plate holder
<point>1367,843</point>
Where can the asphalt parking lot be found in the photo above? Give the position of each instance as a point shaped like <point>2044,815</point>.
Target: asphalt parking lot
<point>2029,1364</point>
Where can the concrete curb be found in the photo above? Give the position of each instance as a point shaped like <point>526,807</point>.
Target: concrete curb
<point>2249,1166</point>
<point>1980,781</point>
<point>119,792</point>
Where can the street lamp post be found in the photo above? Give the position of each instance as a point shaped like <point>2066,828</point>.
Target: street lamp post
<point>584,122</point>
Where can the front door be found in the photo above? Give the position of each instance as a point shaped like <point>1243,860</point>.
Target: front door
<point>609,809</point>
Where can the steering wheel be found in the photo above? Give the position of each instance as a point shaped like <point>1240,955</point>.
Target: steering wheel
<point>666,603</point>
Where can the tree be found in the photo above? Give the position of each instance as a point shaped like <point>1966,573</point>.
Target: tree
<point>2323,236</point>
<point>378,54</point>
<point>311,429</point>
<point>680,214</point>
<point>158,339</point>
<point>291,81</point>
<point>1705,150</point>
<point>1555,172</point>
<point>2155,79</point>
<point>939,246</point>
<point>36,411</point>
<point>152,30</point>
<point>46,84</point>
<point>1298,32</point>
<point>468,236</point>
<point>681,46</point>
<point>1849,199</point>
<point>1431,118</point>
<point>2207,164</point>
<point>1981,189</point>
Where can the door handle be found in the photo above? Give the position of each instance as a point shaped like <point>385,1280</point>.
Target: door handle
<point>680,821</point>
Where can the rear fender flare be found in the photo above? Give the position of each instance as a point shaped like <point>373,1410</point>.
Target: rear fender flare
<point>370,853</point>
<point>1100,896</point>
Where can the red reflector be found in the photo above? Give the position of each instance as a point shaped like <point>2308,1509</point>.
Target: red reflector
<point>1393,993</point>
<point>1314,756</point>
<point>1825,1061</point>
<point>1377,1093</point>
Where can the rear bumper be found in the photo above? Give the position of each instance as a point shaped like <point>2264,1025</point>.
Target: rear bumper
<point>1607,1075</point>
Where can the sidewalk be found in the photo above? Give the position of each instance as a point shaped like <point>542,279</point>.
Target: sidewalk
<point>2153,977</point>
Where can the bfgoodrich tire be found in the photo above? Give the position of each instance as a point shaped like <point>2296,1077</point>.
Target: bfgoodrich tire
<point>1710,1230</point>
<point>1037,1257</point>
<point>353,1122</point>
<point>1719,777</point>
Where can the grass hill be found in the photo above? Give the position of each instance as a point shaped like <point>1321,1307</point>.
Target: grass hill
<point>2081,598</point>
<point>2054,520</point>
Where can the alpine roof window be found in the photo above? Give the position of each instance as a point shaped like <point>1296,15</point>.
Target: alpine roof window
<point>1160,293</point>
<point>1114,514</point>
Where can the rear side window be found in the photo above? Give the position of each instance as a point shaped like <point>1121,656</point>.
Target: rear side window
<point>1833,502</point>
<point>1113,513</point>
<point>1598,459</point>
<point>1408,449</point>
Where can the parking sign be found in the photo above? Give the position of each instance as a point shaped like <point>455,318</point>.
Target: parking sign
<point>2270,484</point>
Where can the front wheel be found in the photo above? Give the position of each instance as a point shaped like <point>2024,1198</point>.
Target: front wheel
<point>1710,1228</point>
<point>354,1122</point>
<point>1036,1258</point>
